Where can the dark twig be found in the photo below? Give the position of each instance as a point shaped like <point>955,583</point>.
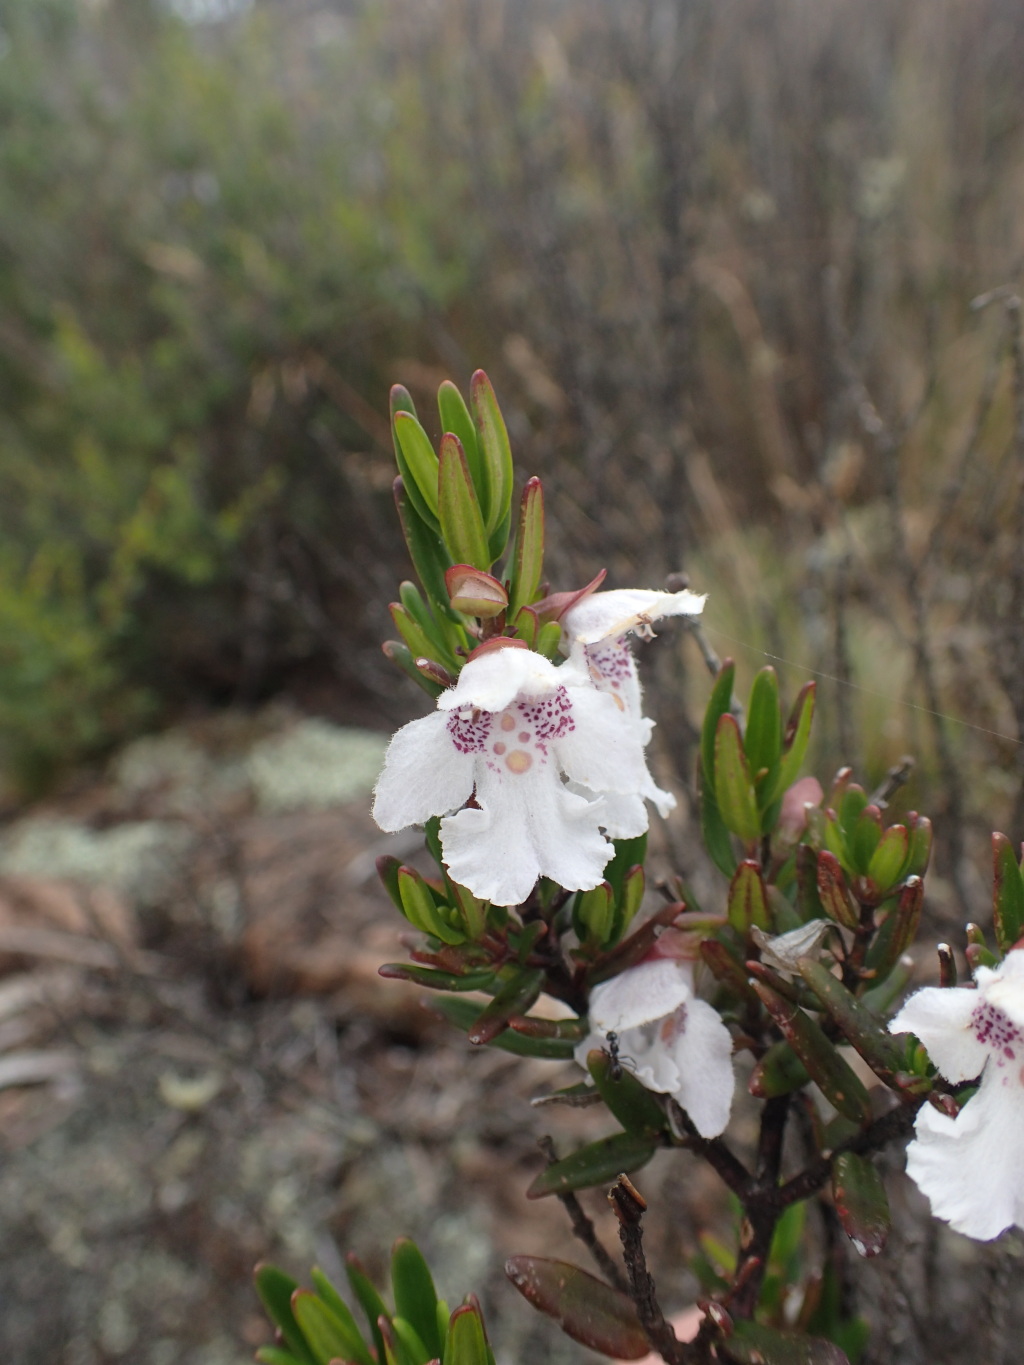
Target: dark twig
<point>630,1207</point>
<point>897,777</point>
<point>583,1228</point>
<point>713,1150</point>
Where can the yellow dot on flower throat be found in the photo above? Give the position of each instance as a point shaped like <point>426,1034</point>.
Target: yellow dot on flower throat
<point>508,722</point>
<point>519,761</point>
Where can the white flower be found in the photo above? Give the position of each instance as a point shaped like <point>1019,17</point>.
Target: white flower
<point>506,732</point>
<point>972,1167</point>
<point>674,1043</point>
<point>594,635</point>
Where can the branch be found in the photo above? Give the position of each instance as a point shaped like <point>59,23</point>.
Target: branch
<point>630,1206</point>
<point>583,1227</point>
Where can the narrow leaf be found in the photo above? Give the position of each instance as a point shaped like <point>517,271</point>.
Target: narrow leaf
<point>462,527</point>
<point>762,742</point>
<point>368,1299</point>
<point>833,892</point>
<point>794,744</point>
<point>455,417</point>
<point>632,1103</point>
<point>517,996</point>
<point>467,1341</point>
<point>327,1334</point>
<point>779,1072</point>
<point>418,465</point>
<point>275,1289</point>
<point>429,557</point>
<point>595,1164</point>
<point>718,705</point>
<point>861,1202</point>
<point>860,1027</point>
<point>748,899</point>
<point>464,1014</point>
<point>753,1344</point>
<point>586,1309</point>
<point>415,1295</point>
<point>528,559</point>
<point>496,497</point>
<point>833,1075</point>
<point>402,656</point>
<point>734,788</point>
<point>1007,893</point>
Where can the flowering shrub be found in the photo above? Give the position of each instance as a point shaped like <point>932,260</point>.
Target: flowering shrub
<point>539,934</point>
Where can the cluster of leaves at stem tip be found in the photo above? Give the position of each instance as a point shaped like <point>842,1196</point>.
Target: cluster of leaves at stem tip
<point>317,1327</point>
<point>804,955</point>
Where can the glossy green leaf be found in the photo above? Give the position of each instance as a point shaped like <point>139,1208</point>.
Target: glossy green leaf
<point>369,1300</point>
<point>593,915</point>
<point>341,1310</point>
<point>430,559</point>
<point>794,744</point>
<point>734,788</point>
<point>455,417</point>
<point>438,632</point>
<point>275,1289</point>
<point>549,639</point>
<point>467,1341</point>
<point>729,970</point>
<point>418,465</point>
<point>713,829</point>
<point>587,1310</point>
<point>274,1355</point>
<point>329,1336</point>
<point>762,742</point>
<point>420,909</point>
<point>534,1026</point>
<point>1007,893</point>
<point>628,1100</point>
<point>748,899</point>
<point>718,706</point>
<point>862,1029</point>
<point>402,657</point>
<point>435,980</point>
<point>462,526</point>
<point>528,555</point>
<point>595,1164</point>
<point>861,1202</point>
<point>832,1074</point>
<point>517,996</point>
<point>864,838</point>
<point>920,844</point>
<point>464,1014</point>
<point>413,637</point>
<point>890,858</point>
<point>410,1342</point>
<point>415,1295</point>
<point>496,498</point>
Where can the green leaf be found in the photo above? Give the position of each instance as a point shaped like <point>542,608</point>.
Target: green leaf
<point>753,1344</point>
<point>462,526</point>
<point>496,496</point>
<point>748,899</point>
<point>860,1027</point>
<point>762,742</point>
<point>437,632</point>
<point>328,1335</point>
<point>889,859</point>
<point>1007,893</point>
<point>779,1072</point>
<point>410,1342</point>
<point>833,891</point>
<point>865,838</point>
<point>455,418</point>
<point>832,1074</point>
<point>712,827</point>
<point>861,1202</point>
<point>464,1014</point>
<point>429,558</point>
<point>728,969</point>
<point>528,558</point>
<point>416,641</point>
<point>275,1289</point>
<point>587,1310</point>
<point>415,1295</point>
<point>595,1164</point>
<point>899,930</point>
<point>341,1310</point>
<point>369,1300</point>
<point>273,1355</point>
<point>593,915</point>
<point>629,1101</point>
<point>435,980</point>
<point>517,996</point>
<point>794,744</point>
<point>718,705</point>
<point>421,910</point>
<point>467,1341</point>
<point>401,655</point>
<point>418,466</point>
<point>734,788</point>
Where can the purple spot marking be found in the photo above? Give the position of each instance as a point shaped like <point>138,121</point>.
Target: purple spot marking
<point>469,731</point>
<point>994,1029</point>
<point>551,716</point>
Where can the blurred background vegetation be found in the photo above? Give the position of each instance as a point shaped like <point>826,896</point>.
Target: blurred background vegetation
<point>718,257</point>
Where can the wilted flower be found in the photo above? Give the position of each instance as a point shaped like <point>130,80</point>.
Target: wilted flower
<point>595,636</point>
<point>972,1167</point>
<point>674,1042</point>
<point>506,733</point>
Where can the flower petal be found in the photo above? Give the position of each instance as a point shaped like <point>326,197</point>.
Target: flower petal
<point>424,774</point>
<point>970,1166</point>
<point>613,613</point>
<point>651,990</point>
<point>703,1054</point>
<point>492,681</point>
<point>528,825</point>
<point>604,750</point>
<point>1004,987</point>
<point>941,1018</point>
